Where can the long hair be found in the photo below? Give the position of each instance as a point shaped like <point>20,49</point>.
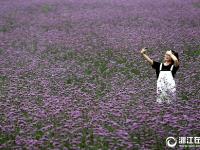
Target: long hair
<point>176,54</point>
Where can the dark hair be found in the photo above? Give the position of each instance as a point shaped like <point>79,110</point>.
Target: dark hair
<point>176,54</point>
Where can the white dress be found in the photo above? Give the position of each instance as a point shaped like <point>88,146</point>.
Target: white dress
<point>166,87</point>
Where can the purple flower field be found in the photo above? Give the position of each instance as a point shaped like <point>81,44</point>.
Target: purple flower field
<point>72,76</point>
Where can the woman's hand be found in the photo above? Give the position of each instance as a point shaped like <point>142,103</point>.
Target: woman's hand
<point>169,52</point>
<point>143,51</point>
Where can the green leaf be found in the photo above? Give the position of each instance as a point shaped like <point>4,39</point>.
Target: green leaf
<point>38,134</point>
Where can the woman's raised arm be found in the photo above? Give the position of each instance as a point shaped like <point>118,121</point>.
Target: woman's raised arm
<point>143,52</point>
<point>174,58</point>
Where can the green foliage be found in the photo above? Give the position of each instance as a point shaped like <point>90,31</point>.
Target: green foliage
<point>109,128</point>
<point>26,116</point>
<point>109,53</point>
<point>38,134</point>
<point>3,80</point>
<point>9,137</point>
<point>25,113</point>
<point>38,125</point>
<point>102,65</point>
<point>88,71</point>
<point>69,55</point>
<point>195,52</point>
<point>32,46</point>
<point>4,137</point>
<point>73,80</point>
<point>121,59</point>
<point>39,100</point>
<point>89,141</point>
<point>191,50</point>
<point>53,49</point>
<point>99,93</point>
<point>10,24</point>
<point>67,144</point>
<point>184,97</point>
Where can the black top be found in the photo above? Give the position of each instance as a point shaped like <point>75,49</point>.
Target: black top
<point>156,65</point>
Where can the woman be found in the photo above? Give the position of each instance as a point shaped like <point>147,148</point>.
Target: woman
<point>166,87</point>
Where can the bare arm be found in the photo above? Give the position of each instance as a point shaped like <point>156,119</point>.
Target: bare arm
<point>176,62</point>
<point>143,52</point>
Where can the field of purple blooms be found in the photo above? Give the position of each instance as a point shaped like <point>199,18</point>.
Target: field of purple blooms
<point>72,76</point>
